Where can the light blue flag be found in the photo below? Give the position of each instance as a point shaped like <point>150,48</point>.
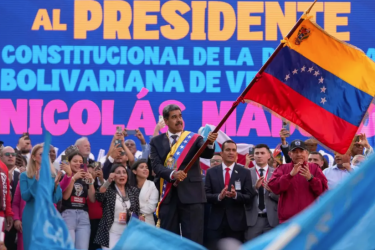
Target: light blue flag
<point>342,219</point>
<point>204,133</point>
<point>49,229</point>
<point>140,236</point>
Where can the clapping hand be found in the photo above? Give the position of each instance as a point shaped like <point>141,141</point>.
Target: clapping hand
<point>305,172</point>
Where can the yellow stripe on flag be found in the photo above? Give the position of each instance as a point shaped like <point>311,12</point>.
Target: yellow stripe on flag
<point>341,59</point>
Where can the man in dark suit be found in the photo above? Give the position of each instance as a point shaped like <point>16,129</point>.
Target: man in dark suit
<point>228,189</point>
<point>261,214</point>
<point>183,204</point>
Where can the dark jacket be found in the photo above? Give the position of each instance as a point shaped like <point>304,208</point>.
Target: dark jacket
<point>234,209</point>
<point>108,200</point>
<point>191,190</point>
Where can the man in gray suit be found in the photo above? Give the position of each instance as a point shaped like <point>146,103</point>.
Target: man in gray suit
<point>261,214</point>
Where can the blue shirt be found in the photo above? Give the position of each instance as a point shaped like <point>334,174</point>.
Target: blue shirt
<point>335,175</point>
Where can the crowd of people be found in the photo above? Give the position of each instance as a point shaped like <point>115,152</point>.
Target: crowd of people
<point>97,199</point>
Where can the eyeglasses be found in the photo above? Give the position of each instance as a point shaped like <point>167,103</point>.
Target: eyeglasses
<point>214,160</point>
<point>129,144</point>
<point>10,154</point>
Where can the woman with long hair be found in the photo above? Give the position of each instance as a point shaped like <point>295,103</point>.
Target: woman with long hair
<point>74,209</point>
<point>120,201</point>
<point>149,195</point>
<point>28,185</point>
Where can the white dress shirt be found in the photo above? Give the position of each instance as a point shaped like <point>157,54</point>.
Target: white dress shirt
<point>225,171</point>
<point>265,178</point>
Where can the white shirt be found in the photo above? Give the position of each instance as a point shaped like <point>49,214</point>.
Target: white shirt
<point>117,227</point>
<point>265,178</point>
<point>225,171</point>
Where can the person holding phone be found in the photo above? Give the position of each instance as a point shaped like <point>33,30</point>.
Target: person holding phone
<point>298,183</point>
<point>133,147</point>
<point>74,208</point>
<point>24,146</point>
<point>118,153</point>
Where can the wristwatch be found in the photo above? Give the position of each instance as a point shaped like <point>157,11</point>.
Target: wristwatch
<point>311,178</point>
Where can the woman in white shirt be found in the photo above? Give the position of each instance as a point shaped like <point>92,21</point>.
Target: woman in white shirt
<point>120,202</point>
<point>149,195</point>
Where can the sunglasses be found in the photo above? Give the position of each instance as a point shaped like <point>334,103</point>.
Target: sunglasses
<point>10,154</point>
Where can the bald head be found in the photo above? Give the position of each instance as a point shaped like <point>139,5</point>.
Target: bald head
<point>131,146</point>
<point>8,156</point>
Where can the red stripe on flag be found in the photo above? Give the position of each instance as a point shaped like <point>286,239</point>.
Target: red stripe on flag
<point>186,150</point>
<point>329,129</point>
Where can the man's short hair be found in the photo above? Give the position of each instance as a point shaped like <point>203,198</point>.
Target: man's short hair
<point>4,148</point>
<point>317,153</point>
<point>80,140</point>
<point>226,142</point>
<point>129,140</point>
<point>169,108</point>
<point>263,146</point>
<point>358,156</point>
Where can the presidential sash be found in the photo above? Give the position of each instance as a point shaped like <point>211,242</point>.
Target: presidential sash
<point>174,160</point>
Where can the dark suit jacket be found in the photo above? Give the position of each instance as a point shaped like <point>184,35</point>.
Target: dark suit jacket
<point>190,190</point>
<point>16,178</point>
<point>234,209</point>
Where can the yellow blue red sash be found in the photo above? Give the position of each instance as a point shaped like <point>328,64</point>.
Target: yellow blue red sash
<point>174,160</point>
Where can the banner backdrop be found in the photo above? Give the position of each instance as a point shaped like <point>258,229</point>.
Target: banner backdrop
<point>80,68</point>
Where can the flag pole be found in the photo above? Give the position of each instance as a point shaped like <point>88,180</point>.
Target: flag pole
<point>241,97</point>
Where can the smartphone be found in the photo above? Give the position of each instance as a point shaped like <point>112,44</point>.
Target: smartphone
<point>117,142</point>
<point>131,131</point>
<point>118,130</point>
<point>64,159</point>
<point>85,160</point>
<point>84,167</point>
<point>251,150</point>
<point>356,138</point>
<point>97,166</point>
<point>161,118</point>
<point>286,125</point>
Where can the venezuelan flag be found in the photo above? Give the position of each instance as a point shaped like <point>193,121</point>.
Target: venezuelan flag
<point>321,84</point>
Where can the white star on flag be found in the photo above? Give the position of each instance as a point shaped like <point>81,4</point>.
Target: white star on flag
<point>185,141</point>
<point>323,100</point>
<point>310,69</point>
<point>303,68</point>
<point>323,90</point>
<point>182,147</point>
<point>178,153</point>
<point>287,77</point>
<point>295,71</point>
<point>189,136</point>
<point>316,73</point>
<point>321,79</point>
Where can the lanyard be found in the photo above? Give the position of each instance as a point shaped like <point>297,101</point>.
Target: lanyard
<point>265,176</point>
<point>123,199</point>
